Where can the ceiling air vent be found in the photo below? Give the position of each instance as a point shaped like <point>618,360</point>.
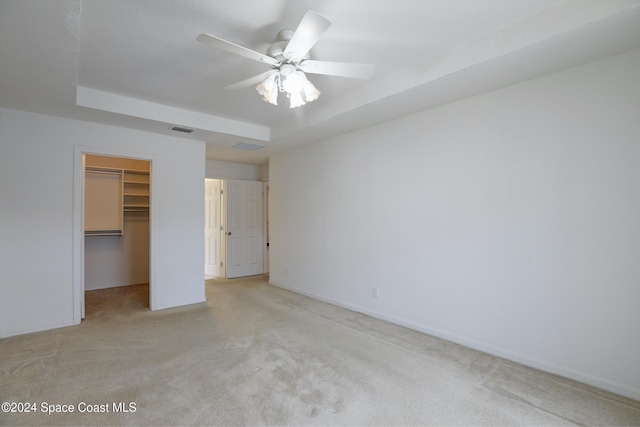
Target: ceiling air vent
<point>181,129</point>
<point>248,146</point>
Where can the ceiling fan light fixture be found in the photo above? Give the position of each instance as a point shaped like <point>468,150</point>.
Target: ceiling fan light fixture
<point>294,83</point>
<point>289,57</point>
<point>268,88</point>
<point>311,93</point>
<point>295,100</point>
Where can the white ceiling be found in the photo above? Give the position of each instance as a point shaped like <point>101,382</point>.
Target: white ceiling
<point>137,64</point>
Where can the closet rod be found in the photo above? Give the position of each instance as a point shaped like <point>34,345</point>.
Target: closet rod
<point>103,233</point>
<point>109,172</point>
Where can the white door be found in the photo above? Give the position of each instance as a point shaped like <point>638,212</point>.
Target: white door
<point>244,228</point>
<point>212,227</point>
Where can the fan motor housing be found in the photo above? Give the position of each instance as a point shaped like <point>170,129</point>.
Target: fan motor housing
<point>276,49</point>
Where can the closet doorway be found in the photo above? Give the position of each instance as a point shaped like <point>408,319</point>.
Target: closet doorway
<point>116,232</point>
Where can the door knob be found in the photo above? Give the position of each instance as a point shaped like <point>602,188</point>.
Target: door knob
<point>228,233</point>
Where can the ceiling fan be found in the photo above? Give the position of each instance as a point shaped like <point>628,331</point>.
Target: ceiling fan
<point>289,60</point>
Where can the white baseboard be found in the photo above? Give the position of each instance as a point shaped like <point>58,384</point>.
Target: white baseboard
<point>621,389</point>
<point>6,333</point>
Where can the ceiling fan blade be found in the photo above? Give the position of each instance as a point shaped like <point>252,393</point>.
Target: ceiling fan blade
<point>341,69</point>
<point>309,31</point>
<point>237,49</point>
<point>251,81</point>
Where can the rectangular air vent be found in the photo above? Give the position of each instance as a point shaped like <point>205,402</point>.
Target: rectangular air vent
<point>181,129</point>
<point>248,146</point>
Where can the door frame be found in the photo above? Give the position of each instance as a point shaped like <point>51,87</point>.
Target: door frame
<point>223,234</point>
<point>78,221</point>
<point>220,233</point>
<point>265,214</point>
<point>223,222</point>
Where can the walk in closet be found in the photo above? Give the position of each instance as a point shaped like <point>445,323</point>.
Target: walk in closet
<point>116,218</point>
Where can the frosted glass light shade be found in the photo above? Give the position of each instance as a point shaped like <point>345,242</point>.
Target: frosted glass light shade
<point>311,93</point>
<point>268,88</point>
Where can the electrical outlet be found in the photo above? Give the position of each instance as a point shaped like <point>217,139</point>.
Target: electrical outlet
<point>376,292</point>
<point>286,271</point>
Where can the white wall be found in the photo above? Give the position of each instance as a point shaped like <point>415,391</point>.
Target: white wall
<point>264,172</point>
<point>37,155</point>
<point>217,169</point>
<point>507,222</point>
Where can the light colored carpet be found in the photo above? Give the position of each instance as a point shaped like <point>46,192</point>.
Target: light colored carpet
<point>255,354</point>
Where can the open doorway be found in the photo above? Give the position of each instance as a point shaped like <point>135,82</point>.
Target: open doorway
<point>235,240</point>
<point>116,250</point>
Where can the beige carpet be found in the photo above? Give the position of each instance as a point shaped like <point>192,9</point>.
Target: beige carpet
<point>258,355</point>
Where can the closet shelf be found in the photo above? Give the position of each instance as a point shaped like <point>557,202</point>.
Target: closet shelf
<point>103,232</point>
<point>119,191</point>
